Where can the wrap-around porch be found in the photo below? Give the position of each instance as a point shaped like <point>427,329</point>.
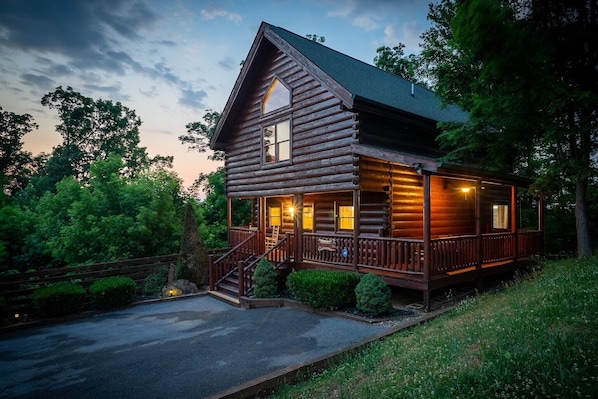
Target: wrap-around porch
<point>401,262</point>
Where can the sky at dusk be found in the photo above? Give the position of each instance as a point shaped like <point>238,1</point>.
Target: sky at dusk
<point>170,60</point>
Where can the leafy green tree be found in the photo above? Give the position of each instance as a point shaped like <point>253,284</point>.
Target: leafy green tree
<point>15,225</point>
<point>93,130</point>
<point>199,135</point>
<point>14,162</point>
<point>393,60</point>
<point>527,73</point>
<point>111,217</point>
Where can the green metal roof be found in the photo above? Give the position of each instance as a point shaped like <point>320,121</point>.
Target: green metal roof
<point>369,84</point>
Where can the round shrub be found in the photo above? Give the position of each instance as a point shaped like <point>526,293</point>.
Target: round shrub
<point>264,279</point>
<point>60,299</point>
<point>373,295</point>
<point>112,292</point>
<point>324,289</point>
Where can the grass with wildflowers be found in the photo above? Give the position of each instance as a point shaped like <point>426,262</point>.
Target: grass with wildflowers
<point>537,338</point>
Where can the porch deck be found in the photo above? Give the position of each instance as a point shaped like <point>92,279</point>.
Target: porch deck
<point>405,262</point>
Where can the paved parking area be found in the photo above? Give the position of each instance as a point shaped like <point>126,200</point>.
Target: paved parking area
<point>188,348</point>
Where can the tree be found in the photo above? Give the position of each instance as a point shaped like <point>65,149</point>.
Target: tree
<point>527,71</point>
<point>315,38</point>
<point>393,60</point>
<point>193,255</point>
<point>111,216</point>
<point>199,135</point>
<point>93,130</point>
<point>14,162</point>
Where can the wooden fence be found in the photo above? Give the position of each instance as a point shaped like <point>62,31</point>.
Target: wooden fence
<point>17,289</point>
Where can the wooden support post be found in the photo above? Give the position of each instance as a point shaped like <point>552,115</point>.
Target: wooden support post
<point>212,273</point>
<point>514,220</point>
<point>427,237</point>
<point>298,204</point>
<point>478,224</point>
<point>262,225</point>
<point>241,271</point>
<point>229,217</point>
<point>541,210</point>
<point>356,228</point>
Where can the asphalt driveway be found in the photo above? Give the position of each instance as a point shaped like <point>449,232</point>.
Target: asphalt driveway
<point>189,348</point>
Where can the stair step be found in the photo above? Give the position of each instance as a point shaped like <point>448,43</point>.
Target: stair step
<point>233,300</point>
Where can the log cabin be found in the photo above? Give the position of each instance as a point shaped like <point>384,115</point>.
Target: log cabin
<point>342,158</point>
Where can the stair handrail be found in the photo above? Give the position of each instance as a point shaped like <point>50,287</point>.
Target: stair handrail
<point>230,258</point>
<point>250,267</point>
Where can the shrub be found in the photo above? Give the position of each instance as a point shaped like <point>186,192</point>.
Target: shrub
<point>112,292</point>
<point>373,295</point>
<point>324,289</point>
<point>154,283</point>
<point>264,277</point>
<point>60,299</point>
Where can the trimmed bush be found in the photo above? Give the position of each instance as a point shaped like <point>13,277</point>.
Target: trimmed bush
<point>264,278</point>
<point>373,295</point>
<point>153,284</point>
<point>60,299</point>
<point>324,289</point>
<point>112,292</point>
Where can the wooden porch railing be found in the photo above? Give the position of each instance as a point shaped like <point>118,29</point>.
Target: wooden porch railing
<point>447,254</point>
<point>228,263</point>
<point>237,235</point>
<point>278,256</point>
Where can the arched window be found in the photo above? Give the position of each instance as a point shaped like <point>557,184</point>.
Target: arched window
<point>277,96</point>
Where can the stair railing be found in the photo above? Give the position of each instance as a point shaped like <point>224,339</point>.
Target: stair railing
<point>228,263</point>
<point>279,255</point>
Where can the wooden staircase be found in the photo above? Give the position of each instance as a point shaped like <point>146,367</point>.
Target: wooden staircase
<point>225,282</point>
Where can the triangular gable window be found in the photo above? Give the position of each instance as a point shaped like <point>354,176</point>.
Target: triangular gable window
<point>277,96</point>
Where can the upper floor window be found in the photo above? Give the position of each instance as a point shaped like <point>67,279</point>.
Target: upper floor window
<point>277,142</point>
<point>277,96</point>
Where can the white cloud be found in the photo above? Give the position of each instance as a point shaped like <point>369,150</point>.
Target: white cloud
<point>407,33</point>
<point>216,12</point>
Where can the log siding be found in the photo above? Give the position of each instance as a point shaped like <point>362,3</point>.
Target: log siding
<point>321,138</point>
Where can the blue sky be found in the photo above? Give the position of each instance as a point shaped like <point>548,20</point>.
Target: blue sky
<point>170,60</point>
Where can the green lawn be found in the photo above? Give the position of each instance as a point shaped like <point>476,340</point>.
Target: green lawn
<point>537,338</point>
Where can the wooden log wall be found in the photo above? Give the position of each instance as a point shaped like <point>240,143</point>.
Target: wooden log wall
<point>410,135</point>
<point>321,137</point>
<point>453,212</point>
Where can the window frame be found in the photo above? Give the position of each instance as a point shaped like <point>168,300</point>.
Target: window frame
<point>271,216</point>
<point>337,211</point>
<point>500,220</point>
<point>266,98</point>
<point>277,161</point>
<point>303,213</point>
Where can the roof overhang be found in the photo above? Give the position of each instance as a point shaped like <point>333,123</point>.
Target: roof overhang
<point>435,166</point>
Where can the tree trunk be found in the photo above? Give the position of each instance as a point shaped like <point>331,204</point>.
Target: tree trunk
<point>584,241</point>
